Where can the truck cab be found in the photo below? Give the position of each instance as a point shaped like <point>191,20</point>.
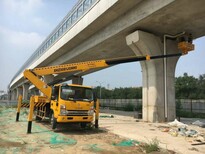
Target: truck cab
<point>71,103</point>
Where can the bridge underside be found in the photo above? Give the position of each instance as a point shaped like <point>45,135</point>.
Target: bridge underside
<point>156,17</point>
<point>105,38</point>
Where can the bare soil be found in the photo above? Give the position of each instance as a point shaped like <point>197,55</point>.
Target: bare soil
<point>117,134</point>
<point>125,125</point>
<point>66,139</point>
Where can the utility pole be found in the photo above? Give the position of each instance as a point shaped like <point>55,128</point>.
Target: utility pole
<point>100,83</point>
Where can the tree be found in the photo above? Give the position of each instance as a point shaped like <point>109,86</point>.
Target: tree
<point>201,86</point>
<point>186,87</point>
<point>119,93</point>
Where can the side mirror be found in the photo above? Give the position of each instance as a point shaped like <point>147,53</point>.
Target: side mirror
<point>53,97</point>
<point>94,96</point>
<point>54,92</point>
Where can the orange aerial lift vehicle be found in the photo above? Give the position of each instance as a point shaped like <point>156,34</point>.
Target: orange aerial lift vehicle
<point>71,103</point>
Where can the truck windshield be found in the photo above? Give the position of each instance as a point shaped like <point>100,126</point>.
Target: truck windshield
<point>76,93</point>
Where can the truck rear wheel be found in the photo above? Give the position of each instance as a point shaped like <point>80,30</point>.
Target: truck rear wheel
<point>37,115</point>
<point>38,118</point>
<point>53,121</point>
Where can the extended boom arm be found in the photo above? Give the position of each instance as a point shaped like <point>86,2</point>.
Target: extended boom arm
<point>34,74</point>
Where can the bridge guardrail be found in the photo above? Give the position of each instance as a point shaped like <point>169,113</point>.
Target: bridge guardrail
<point>80,9</point>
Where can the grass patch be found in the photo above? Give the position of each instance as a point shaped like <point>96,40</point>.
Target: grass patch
<point>152,146</point>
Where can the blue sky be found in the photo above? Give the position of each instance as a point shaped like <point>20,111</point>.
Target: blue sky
<point>25,24</point>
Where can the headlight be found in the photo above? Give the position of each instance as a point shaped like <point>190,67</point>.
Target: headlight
<point>91,111</point>
<point>63,110</point>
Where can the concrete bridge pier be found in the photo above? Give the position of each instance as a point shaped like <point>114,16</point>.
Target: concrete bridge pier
<point>77,80</point>
<point>14,94</point>
<point>25,91</point>
<point>33,91</point>
<point>19,91</point>
<point>154,106</point>
<point>48,78</point>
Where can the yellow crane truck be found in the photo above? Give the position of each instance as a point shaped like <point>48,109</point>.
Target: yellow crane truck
<point>71,103</point>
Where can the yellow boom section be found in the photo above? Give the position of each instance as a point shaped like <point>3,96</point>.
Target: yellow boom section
<point>42,86</point>
<point>33,75</point>
<point>81,66</point>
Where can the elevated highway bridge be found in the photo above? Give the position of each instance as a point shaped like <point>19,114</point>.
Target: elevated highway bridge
<point>102,29</point>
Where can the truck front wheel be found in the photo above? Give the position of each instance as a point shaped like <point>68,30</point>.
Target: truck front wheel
<point>53,121</point>
<point>83,125</point>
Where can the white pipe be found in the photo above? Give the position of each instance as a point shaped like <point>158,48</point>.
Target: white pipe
<point>165,71</point>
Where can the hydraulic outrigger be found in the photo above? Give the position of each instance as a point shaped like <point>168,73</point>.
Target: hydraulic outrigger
<point>59,102</point>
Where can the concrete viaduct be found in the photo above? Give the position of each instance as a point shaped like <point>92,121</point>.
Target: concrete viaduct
<point>102,29</point>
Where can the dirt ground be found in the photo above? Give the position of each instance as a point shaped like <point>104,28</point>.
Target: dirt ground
<point>125,125</point>
<point>66,139</point>
<point>118,134</point>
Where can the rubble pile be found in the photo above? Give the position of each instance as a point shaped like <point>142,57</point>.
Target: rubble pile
<point>193,136</point>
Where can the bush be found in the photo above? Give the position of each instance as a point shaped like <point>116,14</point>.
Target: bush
<point>152,146</point>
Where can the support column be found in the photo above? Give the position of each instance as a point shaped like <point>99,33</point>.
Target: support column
<point>9,95</point>
<point>25,91</point>
<point>19,91</point>
<point>13,94</point>
<point>48,78</point>
<point>143,43</point>
<point>77,80</point>
<point>37,92</point>
<point>33,91</point>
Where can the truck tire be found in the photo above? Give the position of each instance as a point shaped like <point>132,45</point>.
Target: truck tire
<point>37,117</point>
<point>53,121</point>
<point>83,125</point>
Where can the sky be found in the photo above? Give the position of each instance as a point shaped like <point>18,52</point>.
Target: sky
<point>24,24</point>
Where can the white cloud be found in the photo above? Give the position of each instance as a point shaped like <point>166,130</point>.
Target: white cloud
<point>40,23</point>
<point>20,41</point>
<point>21,7</point>
<point>16,47</point>
<point>24,15</point>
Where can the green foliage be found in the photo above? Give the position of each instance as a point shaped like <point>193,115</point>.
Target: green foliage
<point>129,107</point>
<point>152,146</point>
<point>190,87</point>
<point>201,86</point>
<point>186,86</point>
<point>119,93</point>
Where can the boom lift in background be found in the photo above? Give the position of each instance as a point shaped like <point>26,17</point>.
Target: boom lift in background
<point>71,103</point>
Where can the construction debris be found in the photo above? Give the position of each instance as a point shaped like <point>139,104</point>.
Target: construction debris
<point>127,143</point>
<point>191,133</point>
<point>199,123</point>
<point>202,143</point>
<point>177,128</point>
<point>106,116</point>
<point>176,123</point>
